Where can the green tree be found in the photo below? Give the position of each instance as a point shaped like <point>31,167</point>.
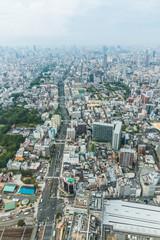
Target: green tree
<point>26,173</point>
<point>21,223</point>
<point>92,147</point>
<point>35,185</point>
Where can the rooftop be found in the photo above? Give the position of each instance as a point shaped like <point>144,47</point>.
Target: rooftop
<point>9,188</point>
<point>10,206</point>
<point>27,190</point>
<point>132,217</point>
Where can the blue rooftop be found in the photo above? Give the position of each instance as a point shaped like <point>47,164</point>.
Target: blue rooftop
<point>27,190</point>
<point>91,154</point>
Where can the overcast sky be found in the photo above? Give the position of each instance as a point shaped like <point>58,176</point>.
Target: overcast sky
<point>87,22</point>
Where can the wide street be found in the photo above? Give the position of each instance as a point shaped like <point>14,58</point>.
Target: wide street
<point>50,205</point>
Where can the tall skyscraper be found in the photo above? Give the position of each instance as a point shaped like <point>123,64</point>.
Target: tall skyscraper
<point>147,58</point>
<point>117,136</point>
<point>154,54</point>
<point>105,49</point>
<point>106,132</point>
<point>103,132</point>
<point>61,89</point>
<point>91,78</point>
<point>149,108</point>
<point>105,60</point>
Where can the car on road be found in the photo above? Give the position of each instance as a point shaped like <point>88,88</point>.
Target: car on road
<point>26,213</point>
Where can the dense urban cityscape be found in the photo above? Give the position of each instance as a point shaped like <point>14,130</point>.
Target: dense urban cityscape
<point>79,143</point>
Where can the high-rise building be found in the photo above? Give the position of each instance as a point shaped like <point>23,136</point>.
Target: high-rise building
<point>145,98</point>
<point>69,185</point>
<point>56,120</point>
<point>81,128</point>
<point>128,187</point>
<point>117,135</point>
<point>107,132</point>
<point>154,54</point>
<point>149,180</point>
<point>149,93</point>
<point>71,134</point>
<point>126,138</point>
<point>147,58</point>
<point>127,156</point>
<point>149,108</point>
<point>158,151</point>
<point>52,132</point>
<point>61,89</point>
<point>141,149</point>
<point>103,131</point>
<point>91,78</point>
<point>105,48</point>
<point>105,60</point>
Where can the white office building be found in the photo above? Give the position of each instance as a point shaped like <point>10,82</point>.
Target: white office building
<point>117,136</point>
<point>56,120</point>
<point>71,133</point>
<point>149,180</point>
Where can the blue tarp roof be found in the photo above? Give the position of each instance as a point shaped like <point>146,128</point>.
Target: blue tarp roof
<point>27,190</point>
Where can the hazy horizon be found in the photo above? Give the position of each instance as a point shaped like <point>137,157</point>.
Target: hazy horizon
<point>80,22</point>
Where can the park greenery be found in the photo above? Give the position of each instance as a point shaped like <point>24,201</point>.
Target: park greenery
<point>126,128</point>
<point>116,86</point>
<point>26,173</point>
<point>39,80</point>
<point>9,117</point>
<point>28,180</point>
<point>19,115</point>
<point>91,90</point>
<point>11,144</point>
<point>16,96</point>
<point>111,86</point>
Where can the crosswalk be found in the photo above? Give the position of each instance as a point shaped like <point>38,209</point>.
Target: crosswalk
<point>48,230</point>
